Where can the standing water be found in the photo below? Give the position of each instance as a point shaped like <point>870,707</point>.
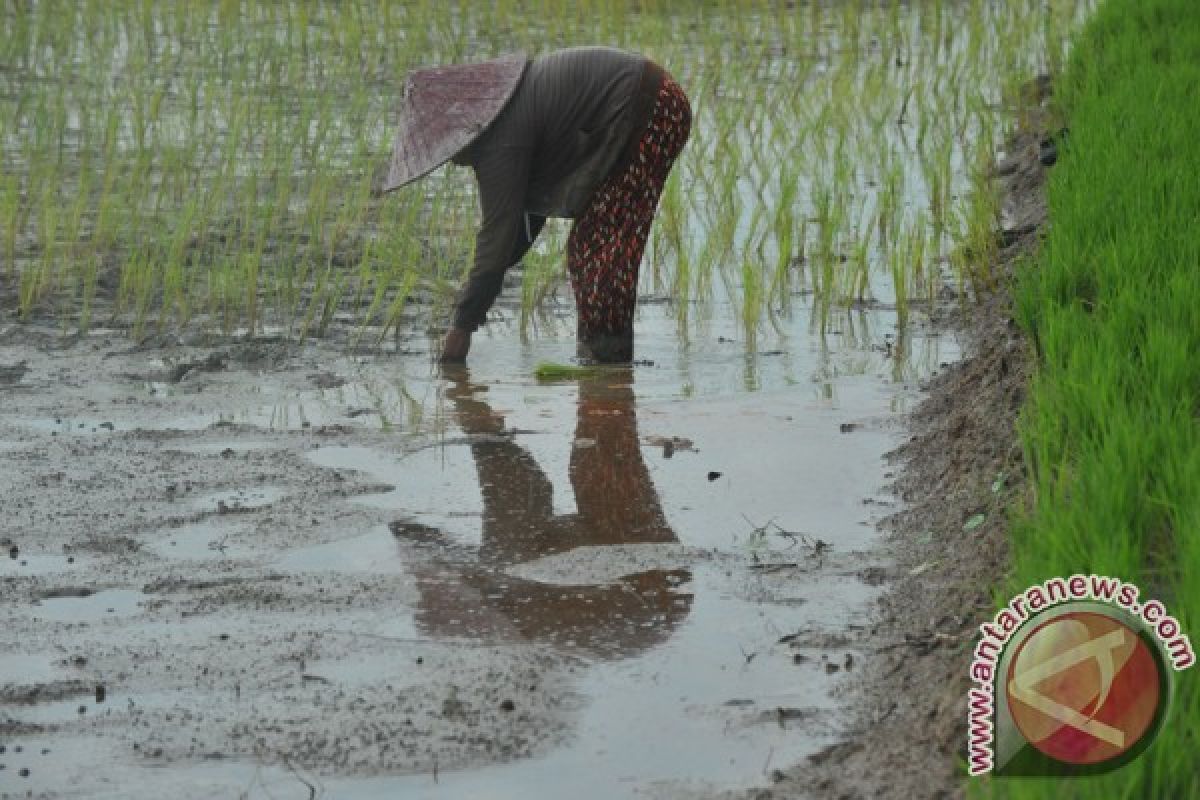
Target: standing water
<point>695,534</point>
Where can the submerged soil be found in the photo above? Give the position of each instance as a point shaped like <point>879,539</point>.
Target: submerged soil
<point>961,465</point>
<point>240,567</point>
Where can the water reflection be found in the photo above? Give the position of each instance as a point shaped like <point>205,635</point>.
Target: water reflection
<point>467,591</point>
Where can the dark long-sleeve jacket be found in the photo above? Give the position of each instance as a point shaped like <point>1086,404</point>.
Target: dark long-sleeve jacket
<point>567,125</point>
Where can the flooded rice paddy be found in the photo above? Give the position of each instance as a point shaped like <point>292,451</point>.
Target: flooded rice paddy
<point>263,548</point>
<point>639,584</point>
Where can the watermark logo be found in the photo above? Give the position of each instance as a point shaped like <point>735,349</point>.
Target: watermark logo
<point>1073,677</point>
<point>1085,688</point>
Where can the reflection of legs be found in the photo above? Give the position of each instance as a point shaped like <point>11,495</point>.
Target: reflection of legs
<point>518,504</point>
<point>604,250</point>
<point>617,503</point>
<point>518,508</point>
<point>613,491</point>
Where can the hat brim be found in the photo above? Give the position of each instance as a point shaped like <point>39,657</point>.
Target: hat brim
<point>445,109</point>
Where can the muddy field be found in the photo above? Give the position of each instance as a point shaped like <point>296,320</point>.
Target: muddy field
<point>262,568</point>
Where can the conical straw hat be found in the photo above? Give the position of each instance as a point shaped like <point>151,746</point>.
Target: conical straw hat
<point>444,109</point>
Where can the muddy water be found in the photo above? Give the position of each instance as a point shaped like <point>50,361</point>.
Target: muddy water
<point>669,525</point>
<point>378,579</point>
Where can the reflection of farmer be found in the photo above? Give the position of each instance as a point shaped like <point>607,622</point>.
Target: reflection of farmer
<point>617,504</point>
<point>587,133</point>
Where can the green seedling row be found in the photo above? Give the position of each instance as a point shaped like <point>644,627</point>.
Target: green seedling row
<point>1112,305</point>
<point>197,164</point>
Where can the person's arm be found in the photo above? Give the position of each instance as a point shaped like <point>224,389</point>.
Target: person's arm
<point>502,174</point>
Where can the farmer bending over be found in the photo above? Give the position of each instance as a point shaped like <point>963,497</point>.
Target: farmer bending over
<point>587,133</point>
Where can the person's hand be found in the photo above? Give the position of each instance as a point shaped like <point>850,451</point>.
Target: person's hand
<point>456,345</point>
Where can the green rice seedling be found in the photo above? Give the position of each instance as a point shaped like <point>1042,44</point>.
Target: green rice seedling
<point>938,169</point>
<point>395,309</point>
<point>671,243</point>
<point>280,172</point>
<point>547,371</point>
<point>10,214</point>
<point>139,280</point>
<point>752,295</point>
<point>784,232</point>
<point>176,285</point>
<point>75,261</point>
<point>542,274</point>
<point>41,278</point>
<point>859,265</point>
<point>900,266</point>
<point>975,245</point>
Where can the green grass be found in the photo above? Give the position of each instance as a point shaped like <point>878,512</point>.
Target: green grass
<point>1111,429</point>
<point>198,163</point>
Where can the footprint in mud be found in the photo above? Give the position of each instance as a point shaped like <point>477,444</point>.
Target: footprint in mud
<point>671,445</point>
<point>211,538</point>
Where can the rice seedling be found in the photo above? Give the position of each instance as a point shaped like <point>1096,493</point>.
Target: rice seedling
<point>10,214</point>
<point>549,371</point>
<point>256,127</point>
<point>1109,426</point>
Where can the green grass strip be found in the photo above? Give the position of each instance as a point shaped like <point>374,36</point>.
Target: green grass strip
<point>1111,428</point>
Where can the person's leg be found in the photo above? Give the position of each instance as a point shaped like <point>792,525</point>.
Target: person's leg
<point>604,250</point>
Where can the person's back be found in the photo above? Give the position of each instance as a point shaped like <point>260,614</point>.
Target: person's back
<point>563,130</point>
<point>590,134</point>
<point>581,101</point>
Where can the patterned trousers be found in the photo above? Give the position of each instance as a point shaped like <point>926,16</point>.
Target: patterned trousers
<point>604,250</point>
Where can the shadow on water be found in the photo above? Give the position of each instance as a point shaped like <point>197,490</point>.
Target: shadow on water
<point>468,591</point>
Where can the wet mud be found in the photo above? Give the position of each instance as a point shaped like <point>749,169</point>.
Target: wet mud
<point>260,568</point>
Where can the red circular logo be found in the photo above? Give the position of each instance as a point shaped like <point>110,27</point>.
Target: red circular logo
<point>1084,688</point>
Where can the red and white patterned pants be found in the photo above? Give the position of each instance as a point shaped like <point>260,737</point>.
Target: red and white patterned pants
<point>604,250</point>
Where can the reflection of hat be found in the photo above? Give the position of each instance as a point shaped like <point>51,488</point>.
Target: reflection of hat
<point>444,109</point>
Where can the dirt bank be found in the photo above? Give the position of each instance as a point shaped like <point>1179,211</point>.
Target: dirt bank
<point>961,473</point>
